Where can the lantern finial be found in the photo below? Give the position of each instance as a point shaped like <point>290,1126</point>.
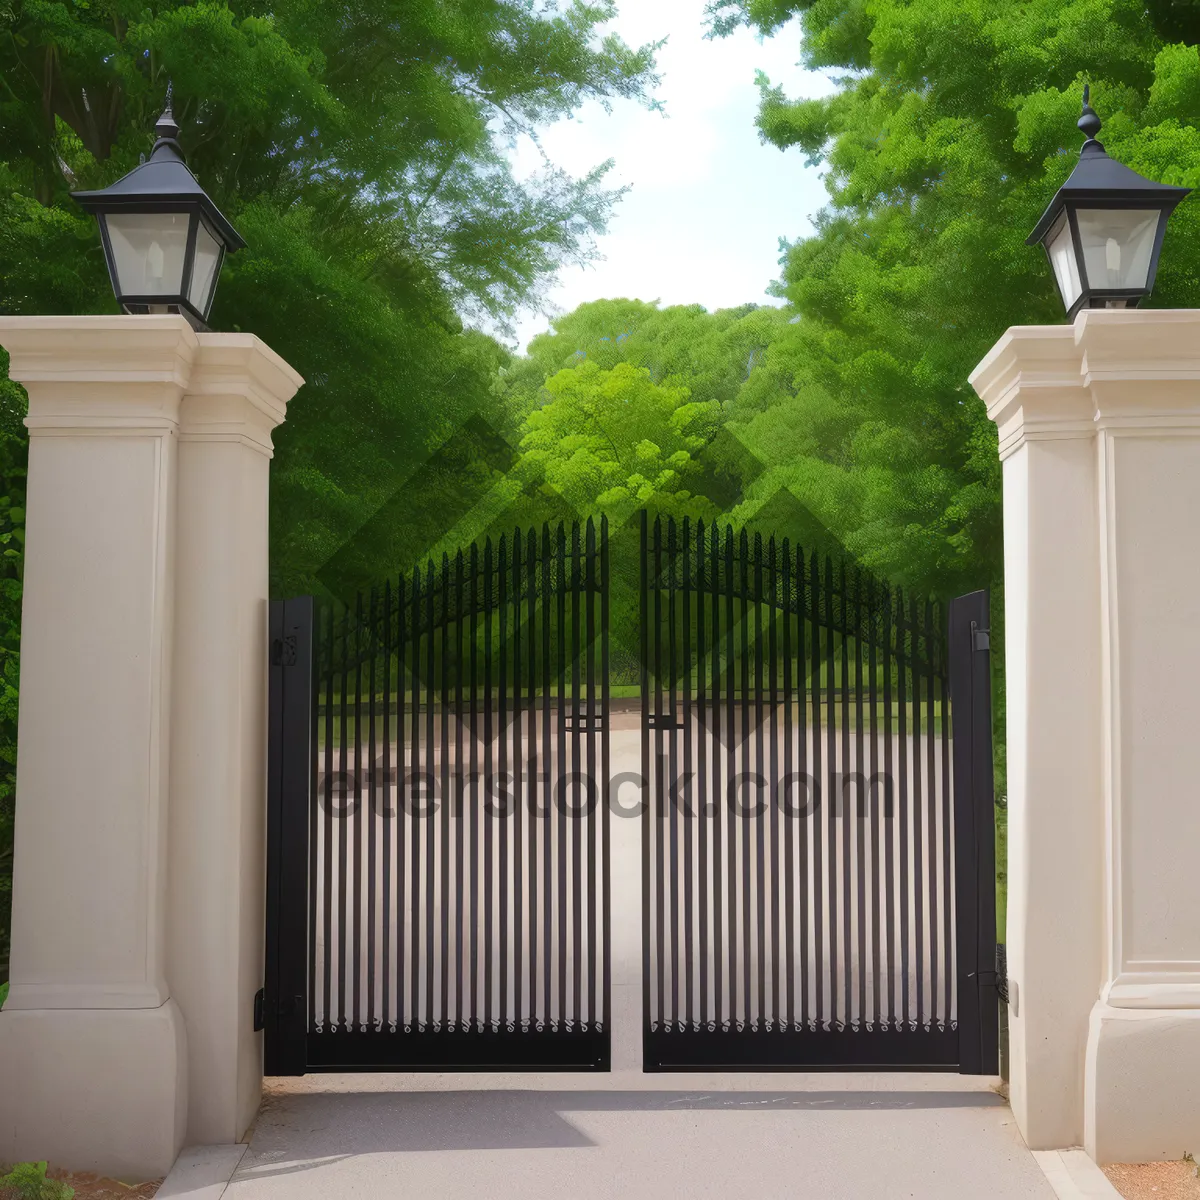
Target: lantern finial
<point>1089,123</point>
<point>166,128</point>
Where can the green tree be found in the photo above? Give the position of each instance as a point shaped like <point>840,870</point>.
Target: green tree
<point>360,149</point>
<point>951,129</point>
<point>611,440</point>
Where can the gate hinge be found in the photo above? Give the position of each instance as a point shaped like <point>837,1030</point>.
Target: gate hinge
<point>283,651</point>
<point>997,978</point>
<point>260,998</point>
<point>981,639</point>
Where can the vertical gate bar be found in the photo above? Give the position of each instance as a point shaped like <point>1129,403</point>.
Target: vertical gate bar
<point>817,890</point>
<point>787,1018</point>
<point>747,930</point>
<point>834,801</point>
<point>576,828</point>
<point>773,779</point>
<point>937,888</point>
<point>802,897</point>
<point>316,650</point>
<point>948,871</point>
<point>532,773</point>
<point>460,898</point>
<point>918,796</point>
<point>489,651</point>
<point>703,733</point>
<point>605,776</point>
<point>904,896</point>
<point>447,802</point>
<point>371,812</point>
<point>344,821</point>
<point>890,809</point>
<point>760,940</point>
<point>292,760</point>
<point>714,798</point>
<point>727,799</point>
<point>357,899</point>
<point>688,934</point>
<point>473,639</point>
<point>847,816</point>
<point>863,790</point>
<point>401,799</point>
<point>561,816</point>
<point>963,617</point>
<point>416,807</point>
<point>548,802</point>
<point>501,809</point>
<point>431,913</point>
<point>590,736</point>
<point>974,805</point>
<point>648,797</point>
<point>327,875</point>
<point>517,794</point>
<point>660,785</point>
<point>388,811</point>
<point>874,798</point>
<point>671,791</point>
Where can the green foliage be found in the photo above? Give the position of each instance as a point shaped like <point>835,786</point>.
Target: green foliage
<point>613,440</point>
<point>950,131</point>
<point>28,1181</point>
<point>360,150</point>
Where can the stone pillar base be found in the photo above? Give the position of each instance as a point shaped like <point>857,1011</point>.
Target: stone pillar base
<point>101,1090</point>
<point>1142,1084</point>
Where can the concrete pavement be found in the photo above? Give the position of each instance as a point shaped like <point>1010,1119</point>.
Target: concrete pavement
<point>489,1137</point>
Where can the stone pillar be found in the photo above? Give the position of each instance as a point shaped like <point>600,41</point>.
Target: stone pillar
<point>1142,1091</point>
<point>93,1055</point>
<point>138,878</point>
<point>1033,389</point>
<point>1100,435</point>
<point>237,394</point>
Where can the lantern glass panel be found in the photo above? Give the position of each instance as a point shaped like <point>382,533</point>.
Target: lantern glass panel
<point>148,251</point>
<point>1117,245</point>
<point>1062,258</point>
<point>204,269</point>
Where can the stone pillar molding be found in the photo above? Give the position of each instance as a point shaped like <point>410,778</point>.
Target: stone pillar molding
<point>1109,1012</point>
<point>237,394</point>
<point>98,1037</point>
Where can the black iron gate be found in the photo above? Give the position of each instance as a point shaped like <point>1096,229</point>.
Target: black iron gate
<point>818,842</point>
<point>438,862</point>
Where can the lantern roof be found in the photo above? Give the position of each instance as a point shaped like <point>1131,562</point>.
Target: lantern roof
<point>163,178</point>
<point>1098,177</point>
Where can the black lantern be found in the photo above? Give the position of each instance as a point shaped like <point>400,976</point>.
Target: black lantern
<point>163,237</point>
<point>1104,229</point>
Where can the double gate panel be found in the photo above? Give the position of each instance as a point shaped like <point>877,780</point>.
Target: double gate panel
<point>813,853</point>
<point>454,905</point>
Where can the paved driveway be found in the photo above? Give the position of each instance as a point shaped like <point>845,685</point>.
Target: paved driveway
<point>828,1137</point>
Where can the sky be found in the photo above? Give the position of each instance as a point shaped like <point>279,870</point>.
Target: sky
<point>709,202</point>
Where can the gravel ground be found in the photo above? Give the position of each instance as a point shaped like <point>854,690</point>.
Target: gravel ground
<point>1155,1181</point>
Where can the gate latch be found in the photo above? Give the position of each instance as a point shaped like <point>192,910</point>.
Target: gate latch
<point>260,998</point>
<point>981,639</point>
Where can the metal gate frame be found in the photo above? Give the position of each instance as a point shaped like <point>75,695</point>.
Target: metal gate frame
<point>562,592</point>
<point>707,1038</point>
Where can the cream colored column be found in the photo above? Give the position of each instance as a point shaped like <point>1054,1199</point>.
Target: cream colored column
<point>1142,1091</point>
<point>1034,391</point>
<point>238,393</point>
<point>92,1046</point>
